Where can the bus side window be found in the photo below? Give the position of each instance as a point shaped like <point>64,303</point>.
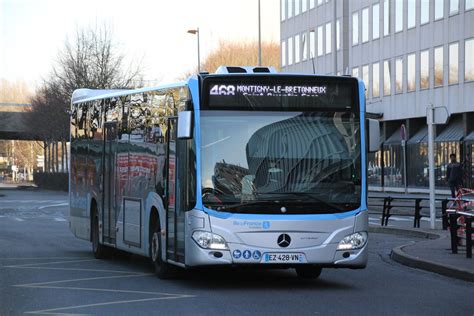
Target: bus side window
<point>136,118</point>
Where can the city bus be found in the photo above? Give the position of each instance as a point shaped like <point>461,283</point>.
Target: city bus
<point>242,167</point>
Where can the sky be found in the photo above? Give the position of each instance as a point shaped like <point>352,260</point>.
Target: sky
<point>32,32</point>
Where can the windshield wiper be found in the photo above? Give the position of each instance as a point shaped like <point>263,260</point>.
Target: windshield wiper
<point>309,197</point>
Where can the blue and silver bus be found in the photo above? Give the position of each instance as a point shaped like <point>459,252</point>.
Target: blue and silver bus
<point>245,166</point>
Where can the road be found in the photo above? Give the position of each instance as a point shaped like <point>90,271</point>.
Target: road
<point>44,270</point>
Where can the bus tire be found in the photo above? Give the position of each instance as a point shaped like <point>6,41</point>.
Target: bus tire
<point>308,272</point>
<point>99,250</point>
<point>162,269</point>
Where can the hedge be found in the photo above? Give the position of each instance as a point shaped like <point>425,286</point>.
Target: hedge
<point>52,181</point>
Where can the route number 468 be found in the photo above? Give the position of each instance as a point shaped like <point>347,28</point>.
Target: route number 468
<point>222,90</point>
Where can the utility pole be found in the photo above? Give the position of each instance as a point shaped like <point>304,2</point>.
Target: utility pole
<point>430,121</point>
<point>259,38</point>
<point>434,115</point>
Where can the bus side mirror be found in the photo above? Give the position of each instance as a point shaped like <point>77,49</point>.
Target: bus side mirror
<point>185,125</point>
<point>374,135</point>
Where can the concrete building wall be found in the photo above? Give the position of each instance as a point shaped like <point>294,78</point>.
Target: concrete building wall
<point>458,27</point>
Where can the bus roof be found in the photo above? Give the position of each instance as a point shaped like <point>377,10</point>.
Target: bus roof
<point>85,95</point>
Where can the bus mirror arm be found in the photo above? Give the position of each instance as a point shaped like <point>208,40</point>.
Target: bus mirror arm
<point>374,135</point>
<point>185,125</point>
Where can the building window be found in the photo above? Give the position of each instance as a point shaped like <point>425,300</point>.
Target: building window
<point>375,21</point>
<point>438,66</point>
<point>320,41</point>
<point>290,51</point>
<point>365,78</point>
<point>338,34</point>
<point>355,28</point>
<point>304,5</point>
<point>399,75</point>
<point>297,7</point>
<point>453,7</point>
<point>411,20</point>
<point>283,53</point>
<point>328,38</point>
<point>469,60</point>
<point>283,9</point>
<point>439,9</point>
<point>375,80</point>
<point>386,17</point>
<point>398,15</point>
<point>417,150</point>
<point>411,83</point>
<point>297,49</point>
<point>355,72</point>
<point>365,25</point>
<point>311,4</point>
<point>387,87</point>
<point>453,63</point>
<point>424,11</point>
<point>425,69</point>
<point>290,8</point>
<point>312,44</point>
<point>304,41</point>
<point>469,4</point>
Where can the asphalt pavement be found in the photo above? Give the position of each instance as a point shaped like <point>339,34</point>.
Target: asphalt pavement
<point>45,270</point>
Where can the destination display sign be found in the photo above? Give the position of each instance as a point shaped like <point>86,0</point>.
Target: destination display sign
<point>267,90</point>
<point>280,93</point>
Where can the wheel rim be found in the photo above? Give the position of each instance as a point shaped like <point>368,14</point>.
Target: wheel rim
<point>155,247</point>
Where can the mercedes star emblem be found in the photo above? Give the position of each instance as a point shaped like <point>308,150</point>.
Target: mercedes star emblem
<point>284,240</point>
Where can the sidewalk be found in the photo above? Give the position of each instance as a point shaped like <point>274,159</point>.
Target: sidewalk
<point>433,253</point>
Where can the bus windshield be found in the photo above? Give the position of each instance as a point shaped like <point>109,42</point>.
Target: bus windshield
<point>274,162</point>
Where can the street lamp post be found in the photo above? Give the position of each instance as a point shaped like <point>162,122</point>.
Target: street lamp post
<point>259,38</point>
<point>196,32</point>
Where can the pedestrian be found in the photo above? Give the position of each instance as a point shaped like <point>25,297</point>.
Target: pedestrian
<point>454,175</point>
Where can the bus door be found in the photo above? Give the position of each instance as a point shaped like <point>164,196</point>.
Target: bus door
<point>108,185</point>
<point>174,214</point>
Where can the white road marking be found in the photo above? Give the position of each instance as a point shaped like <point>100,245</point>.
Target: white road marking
<point>18,219</point>
<point>48,263</point>
<point>48,311</point>
<point>67,269</point>
<point>131,275</point>
<point>44,258</point>
<point>60,219</point>
<point>53,285</point>
<point>52,205</point>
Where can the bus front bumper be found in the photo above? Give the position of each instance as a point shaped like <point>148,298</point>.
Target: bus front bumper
<point>325,255</point>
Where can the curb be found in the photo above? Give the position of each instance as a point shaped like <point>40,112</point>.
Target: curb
<point>402,257</point>
<point>403,232</point>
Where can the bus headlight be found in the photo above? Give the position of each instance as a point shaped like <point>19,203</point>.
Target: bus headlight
<point>209,240</point>
<point>353,241</point>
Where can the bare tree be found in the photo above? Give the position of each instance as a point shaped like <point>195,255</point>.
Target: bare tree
<point>240,54</point>
<point>14,92</point>
<point>91,60</point>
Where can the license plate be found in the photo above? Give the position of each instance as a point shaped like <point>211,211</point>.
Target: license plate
<point>279,257</point>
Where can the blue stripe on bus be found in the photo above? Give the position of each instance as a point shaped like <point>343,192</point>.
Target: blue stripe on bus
<point>194,88</point>
<point>303,217</point>
<point>362,144</point>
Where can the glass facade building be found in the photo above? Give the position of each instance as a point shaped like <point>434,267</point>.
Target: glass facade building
<point>408,53</point>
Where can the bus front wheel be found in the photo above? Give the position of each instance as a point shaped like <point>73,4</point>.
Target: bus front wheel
<point>98,250</point>
<point>162,269</point>
<point>308,272</point>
